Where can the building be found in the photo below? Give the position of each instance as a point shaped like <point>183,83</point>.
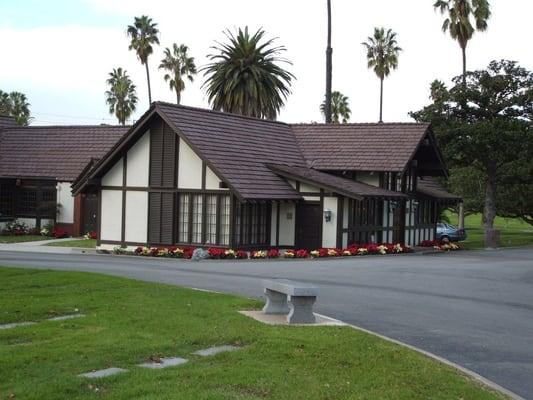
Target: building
<point>188,176</point>
<point>37,167</point>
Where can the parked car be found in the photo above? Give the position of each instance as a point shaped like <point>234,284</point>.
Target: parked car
<point>450,232</point>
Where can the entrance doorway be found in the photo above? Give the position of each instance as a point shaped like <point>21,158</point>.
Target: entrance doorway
<point>308,226</point>
<point>89,213</point>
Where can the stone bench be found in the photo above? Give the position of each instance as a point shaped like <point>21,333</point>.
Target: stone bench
<point>295,299</point>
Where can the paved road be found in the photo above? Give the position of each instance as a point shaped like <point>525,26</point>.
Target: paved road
<point>473,308</point>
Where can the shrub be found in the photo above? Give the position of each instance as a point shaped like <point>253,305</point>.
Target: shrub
<point>59,233</point>
<point>16,228</point>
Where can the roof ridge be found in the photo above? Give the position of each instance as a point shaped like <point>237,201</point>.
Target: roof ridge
<point>67,126</point>
<point>321,124</point>
<point>220,112</point>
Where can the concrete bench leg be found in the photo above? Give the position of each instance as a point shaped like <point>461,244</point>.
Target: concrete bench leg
<point>301,310</point>
<point>276,303</point>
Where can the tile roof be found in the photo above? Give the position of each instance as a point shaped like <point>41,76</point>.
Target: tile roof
<point>238,148</point>
<point>336,184</point>
<point>57,152</point>
<point>431,187</point>
<point>361,147</point>
<point>7,122</point>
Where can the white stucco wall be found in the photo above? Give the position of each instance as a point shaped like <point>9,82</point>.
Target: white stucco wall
<point>114,175</point>
<point>370,178</point>
<point>304,187</point>
<point>211,180</point>
<point>136,216</point>
<point>111,217</point>
<point>139,163</point>
<point>189,168</point>
<point>65,201</point>
<point>329,229</point>
<point>287,220</point>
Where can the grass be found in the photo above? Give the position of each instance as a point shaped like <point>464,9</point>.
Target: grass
<point>513,231</point>
<point>21,238</point>
<point>83,243</point>
<point>128,321</point>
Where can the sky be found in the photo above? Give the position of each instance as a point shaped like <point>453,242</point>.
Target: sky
<point>59,52</point>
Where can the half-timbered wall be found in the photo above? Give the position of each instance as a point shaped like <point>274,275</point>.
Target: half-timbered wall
<point>161,192</point>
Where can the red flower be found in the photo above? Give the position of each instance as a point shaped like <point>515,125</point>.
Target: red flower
<point>273,253</point>
<point>241,255</point>
<point>59,233</point>
<point>302,253</point>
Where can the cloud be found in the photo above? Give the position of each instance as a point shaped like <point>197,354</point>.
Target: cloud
<point>63,68</point>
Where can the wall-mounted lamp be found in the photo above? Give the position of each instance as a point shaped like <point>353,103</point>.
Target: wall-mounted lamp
<point>327,215</point>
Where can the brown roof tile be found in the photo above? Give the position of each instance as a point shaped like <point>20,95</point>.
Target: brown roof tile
<point>238,148</point>
<point>7,122</point>
<point>431,187</point>
<point>57,152</point>
<point>362,147</point>
<point>336,184</point>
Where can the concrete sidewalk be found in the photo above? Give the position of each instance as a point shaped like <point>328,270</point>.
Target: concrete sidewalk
<point>41,246</point>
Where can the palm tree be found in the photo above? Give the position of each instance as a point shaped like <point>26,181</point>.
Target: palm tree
<point>244,77</point>
<point>121,96</point>
<point>459,21</point>
<point>15,104</point>
<point>340,108</point>
<point>143,34</point>
<point>382,55</point>
<point>329,68</point>
<point>178,64</point>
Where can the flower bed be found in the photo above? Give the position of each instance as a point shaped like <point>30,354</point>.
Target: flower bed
<point>441,245</point>
<point>230,254</point>
<point>19,228</point>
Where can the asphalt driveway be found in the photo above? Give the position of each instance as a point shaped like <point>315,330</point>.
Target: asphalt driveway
<point>473,308</point>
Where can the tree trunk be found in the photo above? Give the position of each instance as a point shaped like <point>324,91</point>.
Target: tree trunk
<point>178,97</point>
<point>381,101</point>
<point>464,65</point>
<point>148,80</point>
<point>489,210</point>
<point>329,68</point>
<point>461,215</point>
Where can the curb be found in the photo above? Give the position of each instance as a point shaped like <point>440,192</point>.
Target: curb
<point>474,375</point>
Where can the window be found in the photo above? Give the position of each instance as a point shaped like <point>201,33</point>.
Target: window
<point>48,205</point>
<point>204,218</point>
<point>224,220</point>
<point>252,222</point>
<point>6,200</point>
<point>27,202</point>
<point>197,215</point>
<point>211,219</point>
<point>183,218</point>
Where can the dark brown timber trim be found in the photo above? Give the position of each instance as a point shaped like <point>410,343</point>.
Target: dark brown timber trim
<point>124,178</point>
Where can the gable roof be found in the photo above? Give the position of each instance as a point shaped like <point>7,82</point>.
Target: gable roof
<point>55,152</point>
<point>431,187</point>
<point>240,149</point>
<point>347,187</point>
<point>361,147</point>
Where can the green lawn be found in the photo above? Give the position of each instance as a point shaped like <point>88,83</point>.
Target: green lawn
<point>129,321</point>
<point>21,238</point>
<point>84,243</point>
<point>513,231</point>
